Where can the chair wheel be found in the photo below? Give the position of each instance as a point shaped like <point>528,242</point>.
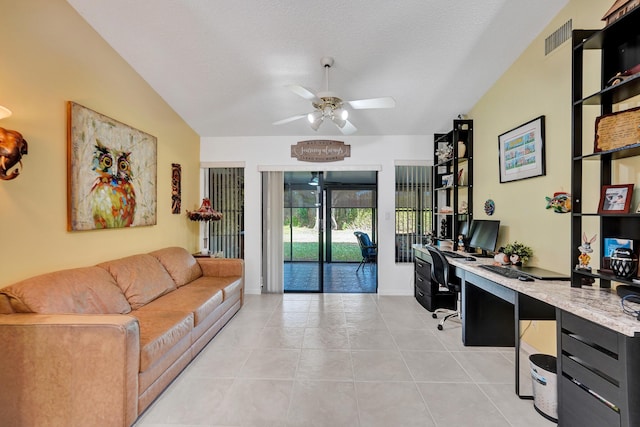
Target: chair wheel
<point>435,316</point>
<point>440,327</point>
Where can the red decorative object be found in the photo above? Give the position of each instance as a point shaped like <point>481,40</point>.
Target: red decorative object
<point>205,212</point>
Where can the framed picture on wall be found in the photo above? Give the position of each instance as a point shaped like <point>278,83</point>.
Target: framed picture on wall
<point>111,172</point>
<point>615,199</point>
<point>521,151</point>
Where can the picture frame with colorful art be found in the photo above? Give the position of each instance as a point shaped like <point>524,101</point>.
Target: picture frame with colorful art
<point>521,151</point>
<point>111,172</point>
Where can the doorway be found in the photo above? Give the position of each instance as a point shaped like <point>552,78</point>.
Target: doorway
<point>322,210</point>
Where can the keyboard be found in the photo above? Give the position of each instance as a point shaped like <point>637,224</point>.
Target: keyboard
<point>453,254</point>
<point>503,271</point>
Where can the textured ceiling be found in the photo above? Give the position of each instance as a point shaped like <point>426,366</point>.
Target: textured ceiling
<point>223,65</point>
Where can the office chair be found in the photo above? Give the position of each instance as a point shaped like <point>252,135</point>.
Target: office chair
<point>368,250</point>
<point>440,274</point>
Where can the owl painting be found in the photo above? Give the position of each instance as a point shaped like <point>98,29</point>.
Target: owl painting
<point>113,198</point>
<point>112,173</point>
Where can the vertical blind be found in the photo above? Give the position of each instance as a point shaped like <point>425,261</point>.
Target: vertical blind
<point>226,191</point>
<point>413,208</point>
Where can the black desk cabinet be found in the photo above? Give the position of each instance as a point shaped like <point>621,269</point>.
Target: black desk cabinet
<point>598,375</point>
<point>426,291</point>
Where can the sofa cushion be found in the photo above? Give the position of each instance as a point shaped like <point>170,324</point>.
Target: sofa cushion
<point>229,285</point>
<point>87,290</point>
<point>159,332</point>
<point>180,264</point>
<point>201,301</point>
<point>141,277</point>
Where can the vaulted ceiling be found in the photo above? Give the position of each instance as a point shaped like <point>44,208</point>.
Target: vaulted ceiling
<point>223,65</point>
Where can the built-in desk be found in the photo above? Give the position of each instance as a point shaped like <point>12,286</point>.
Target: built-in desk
<point>598,344</point>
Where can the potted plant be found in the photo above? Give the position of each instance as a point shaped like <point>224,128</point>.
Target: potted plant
<point>518,253</point>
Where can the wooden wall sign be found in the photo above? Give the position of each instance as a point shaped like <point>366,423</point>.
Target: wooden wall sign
<point>617,130</point>
<point>320,150</point>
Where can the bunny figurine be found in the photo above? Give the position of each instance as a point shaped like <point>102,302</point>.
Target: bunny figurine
<point>585,250</point>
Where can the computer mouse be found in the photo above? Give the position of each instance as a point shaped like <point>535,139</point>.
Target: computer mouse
<point>525,278</point>
<point>469,258</point>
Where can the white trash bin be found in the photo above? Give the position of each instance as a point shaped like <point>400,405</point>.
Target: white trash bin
<point>545,389</point>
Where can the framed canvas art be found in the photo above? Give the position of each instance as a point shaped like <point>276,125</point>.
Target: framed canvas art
<point>521,151</point>
<point>111,172</point>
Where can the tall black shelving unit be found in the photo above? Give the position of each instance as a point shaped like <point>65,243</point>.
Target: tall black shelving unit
<point>448,195</point>
<point>619,48</point>
<point>599,369</point>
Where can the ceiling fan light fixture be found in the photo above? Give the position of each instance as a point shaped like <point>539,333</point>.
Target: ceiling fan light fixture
<point>314,116</point>
<point>316,124</point>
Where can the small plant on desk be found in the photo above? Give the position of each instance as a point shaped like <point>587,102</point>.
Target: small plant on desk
<point>518,253</point>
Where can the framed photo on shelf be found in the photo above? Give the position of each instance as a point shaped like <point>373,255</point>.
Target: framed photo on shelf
<point>521,151</point>
<point>615,199</point>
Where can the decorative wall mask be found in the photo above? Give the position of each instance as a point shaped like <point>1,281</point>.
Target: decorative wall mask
<point>12,147</point>
<point>176,188</point>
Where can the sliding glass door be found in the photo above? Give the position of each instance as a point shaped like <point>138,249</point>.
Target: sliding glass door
<point>303,234</point>
<point>321,212</point>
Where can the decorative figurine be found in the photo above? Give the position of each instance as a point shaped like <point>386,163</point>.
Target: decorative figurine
<point>500,258</point>
<point>560,202</point>
<point>460,242</point>
<point>585,249</point>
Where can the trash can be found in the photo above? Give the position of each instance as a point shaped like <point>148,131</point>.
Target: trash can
<point>545,390</point>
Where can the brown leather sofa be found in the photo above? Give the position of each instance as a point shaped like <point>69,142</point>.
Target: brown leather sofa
<point>94,346</point>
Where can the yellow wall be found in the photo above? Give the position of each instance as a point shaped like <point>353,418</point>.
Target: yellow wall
<point>534,85</point>
<point>51,56</point>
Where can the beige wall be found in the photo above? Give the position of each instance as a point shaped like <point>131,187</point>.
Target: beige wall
<point>534,85</point>
<point>51,56</point>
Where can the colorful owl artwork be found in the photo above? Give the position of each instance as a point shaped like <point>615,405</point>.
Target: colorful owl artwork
<point>113,198</point>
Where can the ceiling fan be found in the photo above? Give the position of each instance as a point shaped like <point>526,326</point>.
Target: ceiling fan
<point>327,105</point>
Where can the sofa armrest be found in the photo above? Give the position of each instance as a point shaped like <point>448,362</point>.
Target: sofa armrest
<point>68,369</point>
<point>221,267</point>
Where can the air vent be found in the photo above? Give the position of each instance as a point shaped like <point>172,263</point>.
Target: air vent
<point>558,37</point>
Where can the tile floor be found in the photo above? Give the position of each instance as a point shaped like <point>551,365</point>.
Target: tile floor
<point>335,360</point>
<point>339,277</point>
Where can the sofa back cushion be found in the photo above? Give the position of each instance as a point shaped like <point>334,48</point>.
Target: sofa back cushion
<point>141,277</point>
<point>87,290</point>
<point>180,264</point>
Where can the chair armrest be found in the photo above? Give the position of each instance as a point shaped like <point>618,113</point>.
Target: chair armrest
<point>221,267</point>
<point>69,369</point>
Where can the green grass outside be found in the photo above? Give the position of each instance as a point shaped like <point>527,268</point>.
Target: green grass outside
<point>308,251</point>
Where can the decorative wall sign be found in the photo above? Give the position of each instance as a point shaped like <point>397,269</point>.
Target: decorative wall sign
<point>320,150</point>
<point>176,188</point>
<point>111,172</point>
<point>617,130</point>
<point>521,151</point>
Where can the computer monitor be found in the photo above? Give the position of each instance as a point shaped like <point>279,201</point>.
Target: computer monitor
<point>484,235</point>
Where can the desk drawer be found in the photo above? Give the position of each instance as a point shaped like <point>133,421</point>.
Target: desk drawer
<point>579,408</point>
<point>422,268</point>
<point>590,332</point>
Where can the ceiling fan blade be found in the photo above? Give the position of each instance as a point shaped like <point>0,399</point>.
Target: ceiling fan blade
<point>384,102</point>
<point>290,119</point>
<point>304,92</point>
<point>348,128</point>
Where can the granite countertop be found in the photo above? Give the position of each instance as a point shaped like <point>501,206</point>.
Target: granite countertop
<point>599,305</point>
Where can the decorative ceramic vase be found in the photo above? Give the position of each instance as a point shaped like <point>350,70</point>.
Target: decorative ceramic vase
<point>462,149</point>
<point>623,263</point>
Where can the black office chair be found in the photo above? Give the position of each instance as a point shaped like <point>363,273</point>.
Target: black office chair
<point>368,250</point>
<point>440,274</point>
